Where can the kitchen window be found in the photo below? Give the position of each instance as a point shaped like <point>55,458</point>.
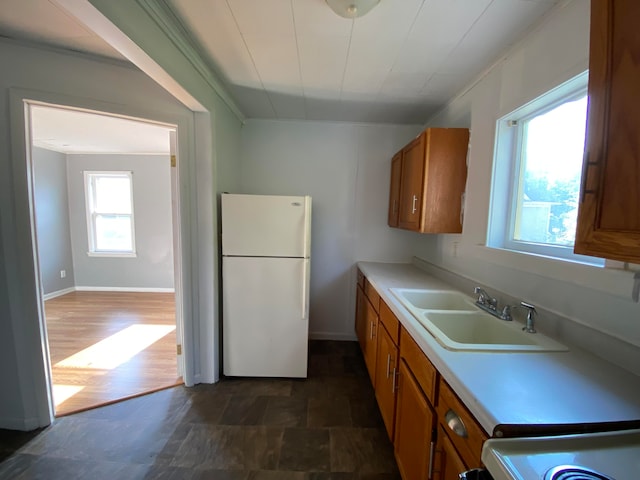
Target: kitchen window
<point>537,172</point>
<point>110,225</point>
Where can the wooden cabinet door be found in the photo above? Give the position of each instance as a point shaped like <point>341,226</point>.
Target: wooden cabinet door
<point>371,341</point>
<point>609,209</point>
<point>445,179</point>
<point>361,317</point>
<point>412,177</point>
<point>413,440</point>
<point>394,190</point>
<point>386,374</point>
<point>448,463</point>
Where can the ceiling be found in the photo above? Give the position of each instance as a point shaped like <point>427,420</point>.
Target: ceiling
<point>297,59</point>
<point>73,131</point>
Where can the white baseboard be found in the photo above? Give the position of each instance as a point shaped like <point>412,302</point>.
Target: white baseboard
<point>125,289</point>
<point>332,336</point>
<point>58,293</point>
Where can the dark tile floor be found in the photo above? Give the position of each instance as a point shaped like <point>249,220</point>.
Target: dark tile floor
<point>326,427</point>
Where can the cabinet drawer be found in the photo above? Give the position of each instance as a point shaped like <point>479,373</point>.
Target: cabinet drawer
<point>420,366</point>
<point>372,295</point>
<point>390,322</point>
<point>360,278</point>
<point>452,412</point>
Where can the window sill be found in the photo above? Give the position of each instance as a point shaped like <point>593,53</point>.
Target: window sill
<point>112,254</point>
<point>613,281</point>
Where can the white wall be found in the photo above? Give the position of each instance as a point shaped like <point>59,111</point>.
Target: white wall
<point>52,219</point>
<point>345,168</point>
<point>152,267</point>
<point>599,300</point>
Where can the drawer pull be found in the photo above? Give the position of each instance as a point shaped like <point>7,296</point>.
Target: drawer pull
<point>455,423</point>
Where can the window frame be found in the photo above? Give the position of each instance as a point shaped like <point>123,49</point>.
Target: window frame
<point>508,175</point>
<point>89,186</point>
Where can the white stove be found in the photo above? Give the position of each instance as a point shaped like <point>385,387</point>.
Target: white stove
<point>592,456</point>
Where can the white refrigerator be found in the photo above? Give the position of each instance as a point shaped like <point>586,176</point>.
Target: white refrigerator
<point>266,242</point>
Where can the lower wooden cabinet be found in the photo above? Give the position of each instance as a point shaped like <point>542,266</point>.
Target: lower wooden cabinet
<point>371,340</point>
<point>414,432</point>
<point>447,462</point>
<point>386,375</point>
<point>429,443</point>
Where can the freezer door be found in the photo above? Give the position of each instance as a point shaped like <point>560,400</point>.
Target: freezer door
<point>266,225</point>
<point>265,312</point>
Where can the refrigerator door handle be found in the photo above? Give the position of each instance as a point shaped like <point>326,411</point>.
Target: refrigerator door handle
<point>305,307</point>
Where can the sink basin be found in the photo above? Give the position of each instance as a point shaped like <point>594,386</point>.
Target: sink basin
<point>480,331</point>
<point>457,324</point>
<point>434,299</point>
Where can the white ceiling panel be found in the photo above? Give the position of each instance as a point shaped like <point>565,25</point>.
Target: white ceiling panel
<point>255,100</point>
<point>262,18</point>
<point>215,28</point>
<point>298,59</point>
<point>314,18</point>
<point>495,34</point>
<point>276,59</point>
<point>43,21</point>
<point>71,131</point>
<point>322,63</point>
<point>42,18</point>
<point>440,27</point>
<point>288,106</point>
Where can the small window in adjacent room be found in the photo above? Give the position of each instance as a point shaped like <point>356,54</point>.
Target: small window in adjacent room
<point>110,226</point>
<point>537,172</point>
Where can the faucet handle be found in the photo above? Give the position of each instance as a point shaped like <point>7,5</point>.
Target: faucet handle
<point>506,313</point>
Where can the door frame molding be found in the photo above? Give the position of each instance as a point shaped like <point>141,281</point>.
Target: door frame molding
<point>25,295</point>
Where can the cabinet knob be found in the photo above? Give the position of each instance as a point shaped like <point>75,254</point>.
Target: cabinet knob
<point>413,205</point>
<point>455,423</point>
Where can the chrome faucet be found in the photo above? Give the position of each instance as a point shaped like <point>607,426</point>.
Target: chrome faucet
<point>490,305</point>
<point>531,317</point>
<point>485,301</point>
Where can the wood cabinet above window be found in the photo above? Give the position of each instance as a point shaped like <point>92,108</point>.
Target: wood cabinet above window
<point>609,209</point>
<point>428,179</point>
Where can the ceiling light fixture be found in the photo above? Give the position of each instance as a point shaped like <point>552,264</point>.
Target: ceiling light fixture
<point>352,8</point>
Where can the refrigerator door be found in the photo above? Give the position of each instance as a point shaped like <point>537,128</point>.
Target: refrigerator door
<point>265,316</point>
<point>266,225</point>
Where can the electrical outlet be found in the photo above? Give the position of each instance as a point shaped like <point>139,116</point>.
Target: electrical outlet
<point>454,249</point>
<point>63,273</point>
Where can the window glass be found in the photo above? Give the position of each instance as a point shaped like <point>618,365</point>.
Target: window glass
<point>110,223</point>
<point>551,167</point>
<point>537,172</point>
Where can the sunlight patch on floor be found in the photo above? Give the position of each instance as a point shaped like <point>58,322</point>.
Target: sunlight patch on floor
<point>64,392</point>
<point>117,349</point>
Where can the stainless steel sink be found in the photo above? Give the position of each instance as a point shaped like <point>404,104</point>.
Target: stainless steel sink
<point>457,324</point>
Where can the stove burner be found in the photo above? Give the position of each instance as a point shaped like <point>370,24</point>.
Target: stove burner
<point>572,472</point>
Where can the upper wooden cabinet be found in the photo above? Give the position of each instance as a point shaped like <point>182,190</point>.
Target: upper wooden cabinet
<point>394,189</point>
<point>609,209</point>
<point>431,181</point>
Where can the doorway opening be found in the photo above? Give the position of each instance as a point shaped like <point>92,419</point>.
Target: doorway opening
<point>107,252</point>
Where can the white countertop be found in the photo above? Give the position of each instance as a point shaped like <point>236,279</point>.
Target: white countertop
<point>512,389</point>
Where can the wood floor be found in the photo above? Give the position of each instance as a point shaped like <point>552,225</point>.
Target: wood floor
<point>105,346</point>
